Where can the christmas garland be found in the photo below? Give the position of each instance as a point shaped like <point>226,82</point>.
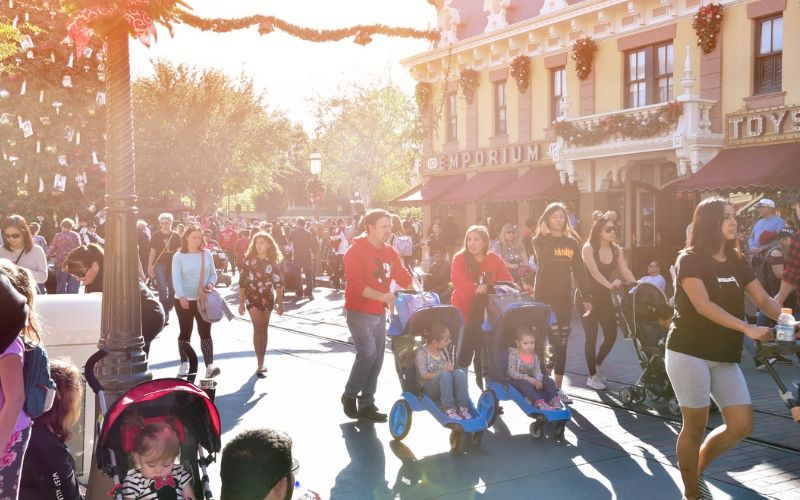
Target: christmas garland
<point>423,93</point>
<point>468,81</point>
<point>706,24</point>
<point>583,54</point>
<point>521,72</point>
<point>621,125</point>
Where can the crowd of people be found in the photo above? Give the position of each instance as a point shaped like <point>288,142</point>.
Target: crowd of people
<point>371,256</point>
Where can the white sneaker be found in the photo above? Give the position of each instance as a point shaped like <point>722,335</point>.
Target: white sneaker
<point>595,383</point>
<point>600,374</point>
<point>562,394</point>
<point>184,369</point>
<point>212,371</point>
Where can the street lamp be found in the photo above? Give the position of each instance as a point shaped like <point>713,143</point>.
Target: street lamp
<point>357,203</point>
<point>314,187</point>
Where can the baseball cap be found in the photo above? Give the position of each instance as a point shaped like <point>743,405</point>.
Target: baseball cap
<point>786,232</point>
<point>766,202</point>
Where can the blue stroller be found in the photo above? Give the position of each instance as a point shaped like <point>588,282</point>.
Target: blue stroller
<point>414,312</point>
<point>507,310</point>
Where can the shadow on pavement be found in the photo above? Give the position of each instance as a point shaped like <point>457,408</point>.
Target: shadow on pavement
<point>234,405</point>
<point>364,476</point>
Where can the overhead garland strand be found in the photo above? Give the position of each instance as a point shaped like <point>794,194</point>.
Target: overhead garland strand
<point>266,24</point>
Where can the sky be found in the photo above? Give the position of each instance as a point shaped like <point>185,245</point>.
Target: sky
<point>290,70</point>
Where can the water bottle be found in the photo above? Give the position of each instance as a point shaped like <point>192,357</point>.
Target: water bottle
<point>784,331</point>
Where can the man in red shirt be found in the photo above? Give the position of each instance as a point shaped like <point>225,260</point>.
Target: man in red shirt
<point>227,242</point>
<point>369,266</point>
<point>790,279</point>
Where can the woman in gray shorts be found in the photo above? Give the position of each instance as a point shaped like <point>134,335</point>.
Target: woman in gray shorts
<point>705,340</point>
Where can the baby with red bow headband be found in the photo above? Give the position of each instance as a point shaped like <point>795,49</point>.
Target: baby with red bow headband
<point>157,477</point>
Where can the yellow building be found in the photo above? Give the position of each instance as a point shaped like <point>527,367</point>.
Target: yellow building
<point>652,110</point>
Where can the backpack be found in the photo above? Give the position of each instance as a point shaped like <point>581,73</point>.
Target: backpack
<point>765,275</point>
<point>40,389</point>
<point>404,245</point>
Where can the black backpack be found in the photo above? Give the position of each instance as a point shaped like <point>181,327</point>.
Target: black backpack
<point>40,389</point>
<point>769,281</point>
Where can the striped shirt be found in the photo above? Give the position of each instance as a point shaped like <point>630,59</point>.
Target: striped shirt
<point>139,487</point>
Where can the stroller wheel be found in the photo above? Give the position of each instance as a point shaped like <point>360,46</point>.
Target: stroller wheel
<point>639,394</point>
<point>625,396</point>
<point>477,437</point>
<point>674,407</point>
<point>537,428</point>
<point>654,396</point>
<point>558,429</point>
<point>487,406</point>
<point>400,419</point>
<point>455,440</point>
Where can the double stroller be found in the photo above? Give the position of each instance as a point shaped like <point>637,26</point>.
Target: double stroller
<point>415,311</point>
<point>507,310</point>
<point>165,399</point>
<point>642,309</point>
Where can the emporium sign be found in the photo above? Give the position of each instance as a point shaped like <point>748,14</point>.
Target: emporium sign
<point>534,153</point>
<point>763,125</point>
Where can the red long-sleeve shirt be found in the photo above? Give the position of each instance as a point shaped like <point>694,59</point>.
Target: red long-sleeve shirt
<point>368,266</point>
<point>464,284</point>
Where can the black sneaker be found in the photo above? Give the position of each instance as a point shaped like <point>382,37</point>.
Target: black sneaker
<point>371,413</point>
<point>349,406</point>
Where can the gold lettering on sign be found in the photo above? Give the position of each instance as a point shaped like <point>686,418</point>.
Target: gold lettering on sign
<point>453,160</point>
<point>777,120</point>
<point>492,157</point>
<point>479,159</point>
<point>736,126</point>
<point>758,121</point>
<point>533,152</point>
<point>503,156</point>
<point>516,154</point>
<point>465,159</point>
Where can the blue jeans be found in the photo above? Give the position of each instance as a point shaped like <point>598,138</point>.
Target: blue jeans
<point>65,282</point>
<point>369,336</point>
<point>306,266</point>
<point>166,290</point>
<point>547,392</point>
<point>449,389</point>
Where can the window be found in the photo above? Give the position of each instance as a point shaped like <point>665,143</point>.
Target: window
<point>769,55</point>
<point>452,119</point>
<point>556,91</point>
<point>648,75</point>
<point>500,108</point>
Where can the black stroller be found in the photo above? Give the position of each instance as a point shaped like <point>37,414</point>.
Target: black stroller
<point>641,309</point>
<point>157,400</point>
<point>767,350</point>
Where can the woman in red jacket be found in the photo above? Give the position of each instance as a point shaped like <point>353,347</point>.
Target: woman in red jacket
<point>475,269</point>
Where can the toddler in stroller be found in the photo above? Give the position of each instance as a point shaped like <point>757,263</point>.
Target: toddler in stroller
<point>644,315</point>
<point>438,378</point>
<point>525,372</point>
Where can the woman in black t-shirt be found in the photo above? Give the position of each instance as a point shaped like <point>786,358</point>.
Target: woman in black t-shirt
<point>704,344</point>
<point>558,254</point>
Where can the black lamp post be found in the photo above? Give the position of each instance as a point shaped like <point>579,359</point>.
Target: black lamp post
<point>316,188</point>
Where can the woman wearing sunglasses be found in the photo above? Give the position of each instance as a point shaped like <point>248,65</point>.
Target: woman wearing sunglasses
<point>18,247</point>
<point>604,261</point>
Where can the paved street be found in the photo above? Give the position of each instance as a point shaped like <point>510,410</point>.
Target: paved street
<point>607,452</point>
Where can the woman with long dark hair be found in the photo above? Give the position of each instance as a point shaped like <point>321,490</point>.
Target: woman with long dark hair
<point>86,264</point>
<point>19,248</point>
<point>48,471</point>
<point>704,344</point>
<point>474,271</point>
<point>188,279</point>
<point>603,259</point>
<point>261,290</point>
<point>558,255</point>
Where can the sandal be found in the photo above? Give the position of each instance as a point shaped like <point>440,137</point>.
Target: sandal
<point>261,372</point>
<point>452,413</point>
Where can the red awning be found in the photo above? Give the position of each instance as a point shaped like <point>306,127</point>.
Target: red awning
<point>540,183</point>
<point>430,191</point>
<point>480,186</point>
<point>775,166</point>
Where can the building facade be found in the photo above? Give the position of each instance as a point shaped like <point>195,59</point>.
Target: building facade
<point>516,114</point>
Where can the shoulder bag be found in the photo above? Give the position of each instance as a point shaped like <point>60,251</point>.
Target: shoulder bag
<point>209,302</point>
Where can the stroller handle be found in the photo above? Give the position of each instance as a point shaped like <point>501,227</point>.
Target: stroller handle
<point>88,370</point>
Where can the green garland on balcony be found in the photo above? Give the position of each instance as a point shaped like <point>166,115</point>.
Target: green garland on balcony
<point>621,125</point>
<point>706,24</point>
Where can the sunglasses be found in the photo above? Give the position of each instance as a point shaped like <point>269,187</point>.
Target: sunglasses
<point>80,275</point>
<point>12,236</point>
<point>609,229</point>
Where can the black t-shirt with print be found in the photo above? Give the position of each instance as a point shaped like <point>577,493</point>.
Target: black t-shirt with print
<point>158,242</point>
<point>696,335</point>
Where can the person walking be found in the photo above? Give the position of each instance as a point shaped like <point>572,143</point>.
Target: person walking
<point>704,343</point>
<point>603,259</point>
<point>261,290</point>
<point>38,239</point>
<point>339,244</point>
<point>63,243</point>
<point>302,247</point>
<point>193,268</point>
<point>768,221</point>
<point>19,248</point>
<point>558,255</point>
<point>370,266</point>
<point>163,245</point>
<point>227,242</point>
<point>474,271</point>
<point>91,236</point>
<point>143,242</point>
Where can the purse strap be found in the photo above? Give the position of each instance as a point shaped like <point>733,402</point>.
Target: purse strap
<point>200,286</point>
